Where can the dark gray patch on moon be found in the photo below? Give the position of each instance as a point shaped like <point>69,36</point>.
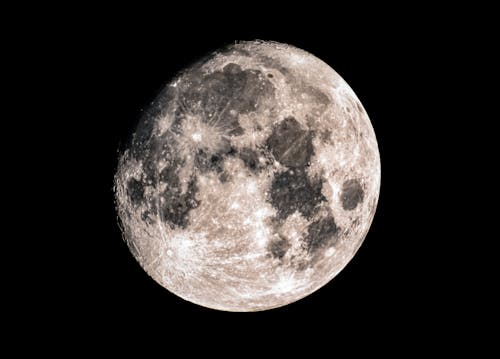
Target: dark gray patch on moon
<point>321,233</point>
<point>326,136</point>
<point>290,144</point>
<point>221,96</point>
<point>206,161</point>
<point>149,160</point>
<point>175,206</point>
<point>278,247</point>
<point>319,100</point>
<point>319,96</point>
<point>294,191</point>
<point>250,158</point>
<point>254,159</point>
<point>135,191</point>
<point>352,194</point>
<point>146,217</point>
<point>273,64</point>
<point>224,177</point>
<point>169,176</point>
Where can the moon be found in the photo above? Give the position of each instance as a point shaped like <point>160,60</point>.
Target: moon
<point>251,180</point>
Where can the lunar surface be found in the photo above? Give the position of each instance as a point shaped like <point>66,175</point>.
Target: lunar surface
<point>252,179</point>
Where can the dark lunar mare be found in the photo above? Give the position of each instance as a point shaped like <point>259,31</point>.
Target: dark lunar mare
<point>319,98</point>
<point>174,205</point>
<point>278,248</point>
<point>271,63</point>
<point>250,158</point>
<point>135,191</point>
<point>144,148</point>
<point>212,96</point>
<point>352,194</point>
<point>219,97</point>
<point>206,161</point>
<point>290,144</point>
<point>321,233</point>
<point>292,191</point>
<point>148,147</point>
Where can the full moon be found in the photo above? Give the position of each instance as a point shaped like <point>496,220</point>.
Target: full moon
<point>251,180</point>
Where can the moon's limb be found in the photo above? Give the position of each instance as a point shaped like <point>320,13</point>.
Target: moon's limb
<point>252,180</point>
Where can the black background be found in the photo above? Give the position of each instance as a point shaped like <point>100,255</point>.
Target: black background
<point>109,67</point>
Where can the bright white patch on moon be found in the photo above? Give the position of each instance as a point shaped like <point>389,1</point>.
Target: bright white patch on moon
<point>251,181</point>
